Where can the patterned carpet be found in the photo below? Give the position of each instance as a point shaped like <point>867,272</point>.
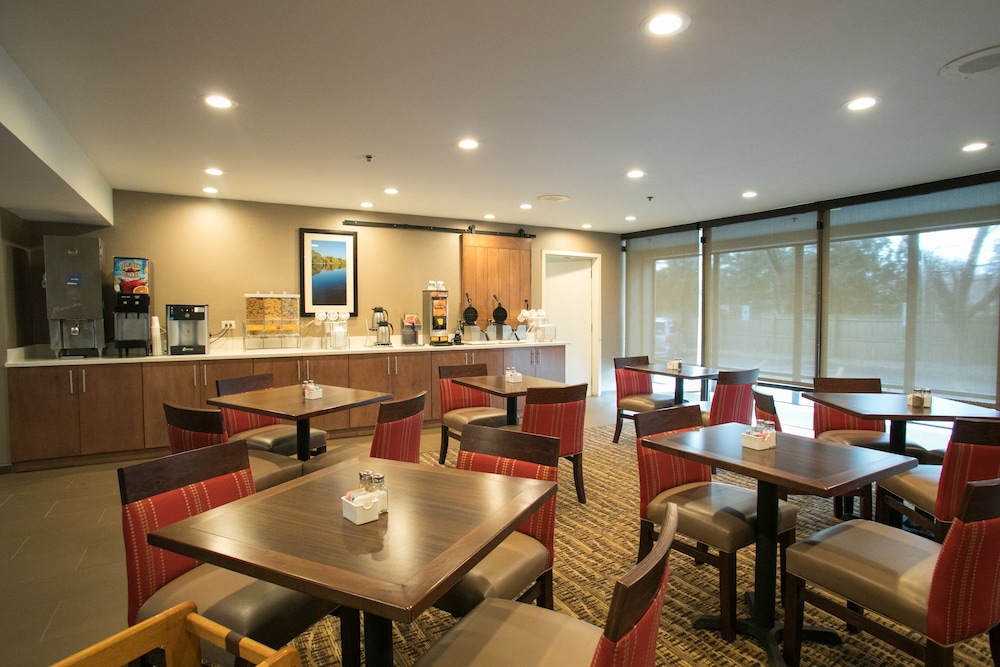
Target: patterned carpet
<point>596,543</point>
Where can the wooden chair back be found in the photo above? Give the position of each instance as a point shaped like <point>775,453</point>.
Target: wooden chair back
<point>398,428</point>
<point>156,476</point>
<point>504,443</point>
<point>764,408</point>
<point>829,419</point>
<point>193,428</point>
<point>239,385</point>
<point>238,421</point>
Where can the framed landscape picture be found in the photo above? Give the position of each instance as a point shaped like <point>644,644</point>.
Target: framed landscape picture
<point>329,271</point>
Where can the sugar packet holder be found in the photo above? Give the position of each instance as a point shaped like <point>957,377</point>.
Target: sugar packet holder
<point>310,390</point>
<point>674,365</point>
<point>363,509</point>
<point>760,440</point>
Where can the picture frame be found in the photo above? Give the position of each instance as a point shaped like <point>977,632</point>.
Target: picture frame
<point>328,271</point>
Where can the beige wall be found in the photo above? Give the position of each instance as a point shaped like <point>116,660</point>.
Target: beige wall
<point>215,251</point>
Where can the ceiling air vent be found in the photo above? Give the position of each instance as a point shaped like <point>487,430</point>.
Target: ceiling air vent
<point>973,64</point>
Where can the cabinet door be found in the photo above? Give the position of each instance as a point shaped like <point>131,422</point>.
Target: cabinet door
<point>492,358</point>
<point>210,371</point>
<point>550,362</point>
<point>110,418</point>
<point>411,374</point>
<point>520,357</point>
<point>368,371</point>
<point>167,382</point>
<point>285,370</point>
<point>44,413</point>
<point>333,370</point>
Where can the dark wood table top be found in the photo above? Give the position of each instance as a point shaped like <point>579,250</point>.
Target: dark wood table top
<point>894,407</point>
<point>288,402</point>
<point>440,523</point>
<point>800,464</point>
<point>498,386</point>
<point>686,371</point>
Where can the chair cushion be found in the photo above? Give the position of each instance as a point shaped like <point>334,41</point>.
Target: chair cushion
<point>279,438</point>
<point>918,486</point>
<point>719,515</point>
<point>456,419</point>
<point>872,440</point>
<point>645,402</point>
<point>334,456</point>
<point>505,573</point>
<point>270,614</point>
<point>270,469</point>
<point>879,567</point>
<point>502,632</point>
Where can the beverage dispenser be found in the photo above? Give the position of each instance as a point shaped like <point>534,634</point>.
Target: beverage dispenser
<point>133,334</point>
<point>436,316</point>
<point>74,305</point>
<point>187,329</point>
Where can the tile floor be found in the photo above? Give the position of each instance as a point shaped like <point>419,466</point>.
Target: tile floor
<point>62,559</point>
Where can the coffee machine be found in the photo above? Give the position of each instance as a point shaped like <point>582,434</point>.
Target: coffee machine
<point>187,329</point>
<point>436,317</point>
<point>74,306</point>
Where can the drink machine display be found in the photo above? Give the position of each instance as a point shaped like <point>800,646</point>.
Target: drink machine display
<point>436,316</point>
<point>74,305</point>
<point>132,324</point>
<point>187,329</point>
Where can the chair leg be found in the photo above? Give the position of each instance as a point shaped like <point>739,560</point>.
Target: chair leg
<point>618,427</point>
<point>936,655</point>
<point>444,444</point>
<point>350,636</point>
<point>995,644</point>
<point>577,460</point>
<point>546,597</point>
<point>791,643</point>
<point>785,540</point>
<point>647,535</point>
<point>867,512</point>
<point>727,595</point>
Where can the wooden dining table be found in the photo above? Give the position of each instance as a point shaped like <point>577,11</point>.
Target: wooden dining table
<point>895,409</point>
<point>289,403</point>
<point>798,464</point>
<point>440,523</point>
<point>497,385</point>
<point>685,372</point>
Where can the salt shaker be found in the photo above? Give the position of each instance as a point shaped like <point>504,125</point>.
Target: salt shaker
<point>382,493</point>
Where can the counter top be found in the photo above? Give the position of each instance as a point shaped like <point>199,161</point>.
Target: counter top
<point>36,355</point>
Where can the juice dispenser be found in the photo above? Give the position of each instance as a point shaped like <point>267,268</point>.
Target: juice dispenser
<point>436,317</point>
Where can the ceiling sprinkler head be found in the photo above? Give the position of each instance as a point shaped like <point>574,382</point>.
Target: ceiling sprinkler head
<point>369,157</point>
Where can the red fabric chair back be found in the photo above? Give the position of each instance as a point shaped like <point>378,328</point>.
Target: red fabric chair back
<point>193,428</point>
<point>397,431</point>
<point>542,524</point>
<point>659,471</point>
<point>559,413</point>
<point>733,397</point>
<point>455,396</point>
<point>630,383</point>
<point>238,421</point>
<point>149,568</point>
<point>973,454</point>
<point>828,419</point>
<point>183,440</point>
<point>764,409</point>
<point>964,598</point>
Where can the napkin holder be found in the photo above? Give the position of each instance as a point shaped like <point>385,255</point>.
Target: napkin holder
<point>362,510</point>
<point>674,365</point>
<point>310,390</point>
<point>513,376</point>
<point>758,441</point>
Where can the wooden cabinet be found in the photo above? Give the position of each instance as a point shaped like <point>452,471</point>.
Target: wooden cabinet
<point>547,362</point>
<point>401,375</point>
<point>186,383</point>
<point>460,356</point>
<point>70,411</point>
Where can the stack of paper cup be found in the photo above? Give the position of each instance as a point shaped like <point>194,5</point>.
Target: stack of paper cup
<point>154,330</point>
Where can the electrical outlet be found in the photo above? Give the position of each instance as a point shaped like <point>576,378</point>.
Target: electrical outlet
<point>229,324</point>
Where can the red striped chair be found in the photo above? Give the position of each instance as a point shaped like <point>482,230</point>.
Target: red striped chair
<point>765,410</point>
<point>946,592</point>
<point>732,400</point>
<point>464,405</point>
<point>635,392</point>
<point>521,566</point>
<point>501,632</point>
<point>398,428</point>
<point>560,412</point>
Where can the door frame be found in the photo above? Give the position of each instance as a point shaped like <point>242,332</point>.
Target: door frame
<point>595,308</point>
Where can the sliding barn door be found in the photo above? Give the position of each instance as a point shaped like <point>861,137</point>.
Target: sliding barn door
<point>496,265</point>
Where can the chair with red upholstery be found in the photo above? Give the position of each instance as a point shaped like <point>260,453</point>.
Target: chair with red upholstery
<point>712,514</point>
<point>560,412</point>
<point>193,428</point>
<point>930,495</point>
<point>765,410</point>
<point>501,632</point>
<point>397,429</point>
<point>947,592</point>
<point>635,392</point>
<point>464,405</point>
<point>732,400</point>
<point>262,431</point>
<point>521,566</point>
<point>159,492</point>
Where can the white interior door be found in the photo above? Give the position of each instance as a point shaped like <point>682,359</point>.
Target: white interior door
<point>568,294</point>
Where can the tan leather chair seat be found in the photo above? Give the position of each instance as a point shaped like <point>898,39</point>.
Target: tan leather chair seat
<point>270,469</point>
<point>502,632</point>
<point>645,402</point>
<point>279,438</point>
<point>501,574</point>
<point>880,441</point>
<point>918,485</point>
<point>270,614</point>
<point>719,515</point>
<point>481,416</point>
<point>334,456</point>
<point>880,568</point>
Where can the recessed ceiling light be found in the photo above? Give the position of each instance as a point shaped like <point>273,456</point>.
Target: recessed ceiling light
<point>976,146</point>
<point>525,207</point>
<point>489,216</point>
<point>367,204</point>
<point>210,191</point>
<point>219,102</point>
<point>666,23</point>
<point>861,103</point>
<point>749,194</point>
<point>212,171</point>
<point>552,198</point>
<point>635,173</point>
<point>629,218</point>
<point>588,226</point>
<point>391,191</point>
<point>468,144</point>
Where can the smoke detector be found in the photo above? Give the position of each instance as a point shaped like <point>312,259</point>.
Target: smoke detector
<point>973,64</point>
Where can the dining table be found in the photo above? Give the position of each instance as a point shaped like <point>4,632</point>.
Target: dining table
<point>439,524</point>
<point>679,374</point>
<point>799,465</point>
<point>499,385</point>
<point>290,403</point>
<point>896,409</point>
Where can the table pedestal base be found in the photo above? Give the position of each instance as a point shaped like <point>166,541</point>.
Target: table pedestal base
<point>769,638</point>
<point>378,640</point>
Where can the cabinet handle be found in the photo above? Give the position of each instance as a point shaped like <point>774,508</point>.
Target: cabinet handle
<point>466,358</point>
<point>308,370</point>
<point>204,374</point>
<point>71,382</point>
<point>396,359</point>
<point>83,382</point>
<point>387,367</point>
<point>298,369</point>
<point>194,374</point>
<point>473,357</point>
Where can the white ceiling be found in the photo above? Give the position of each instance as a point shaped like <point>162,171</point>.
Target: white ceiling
<point>564,97</point>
